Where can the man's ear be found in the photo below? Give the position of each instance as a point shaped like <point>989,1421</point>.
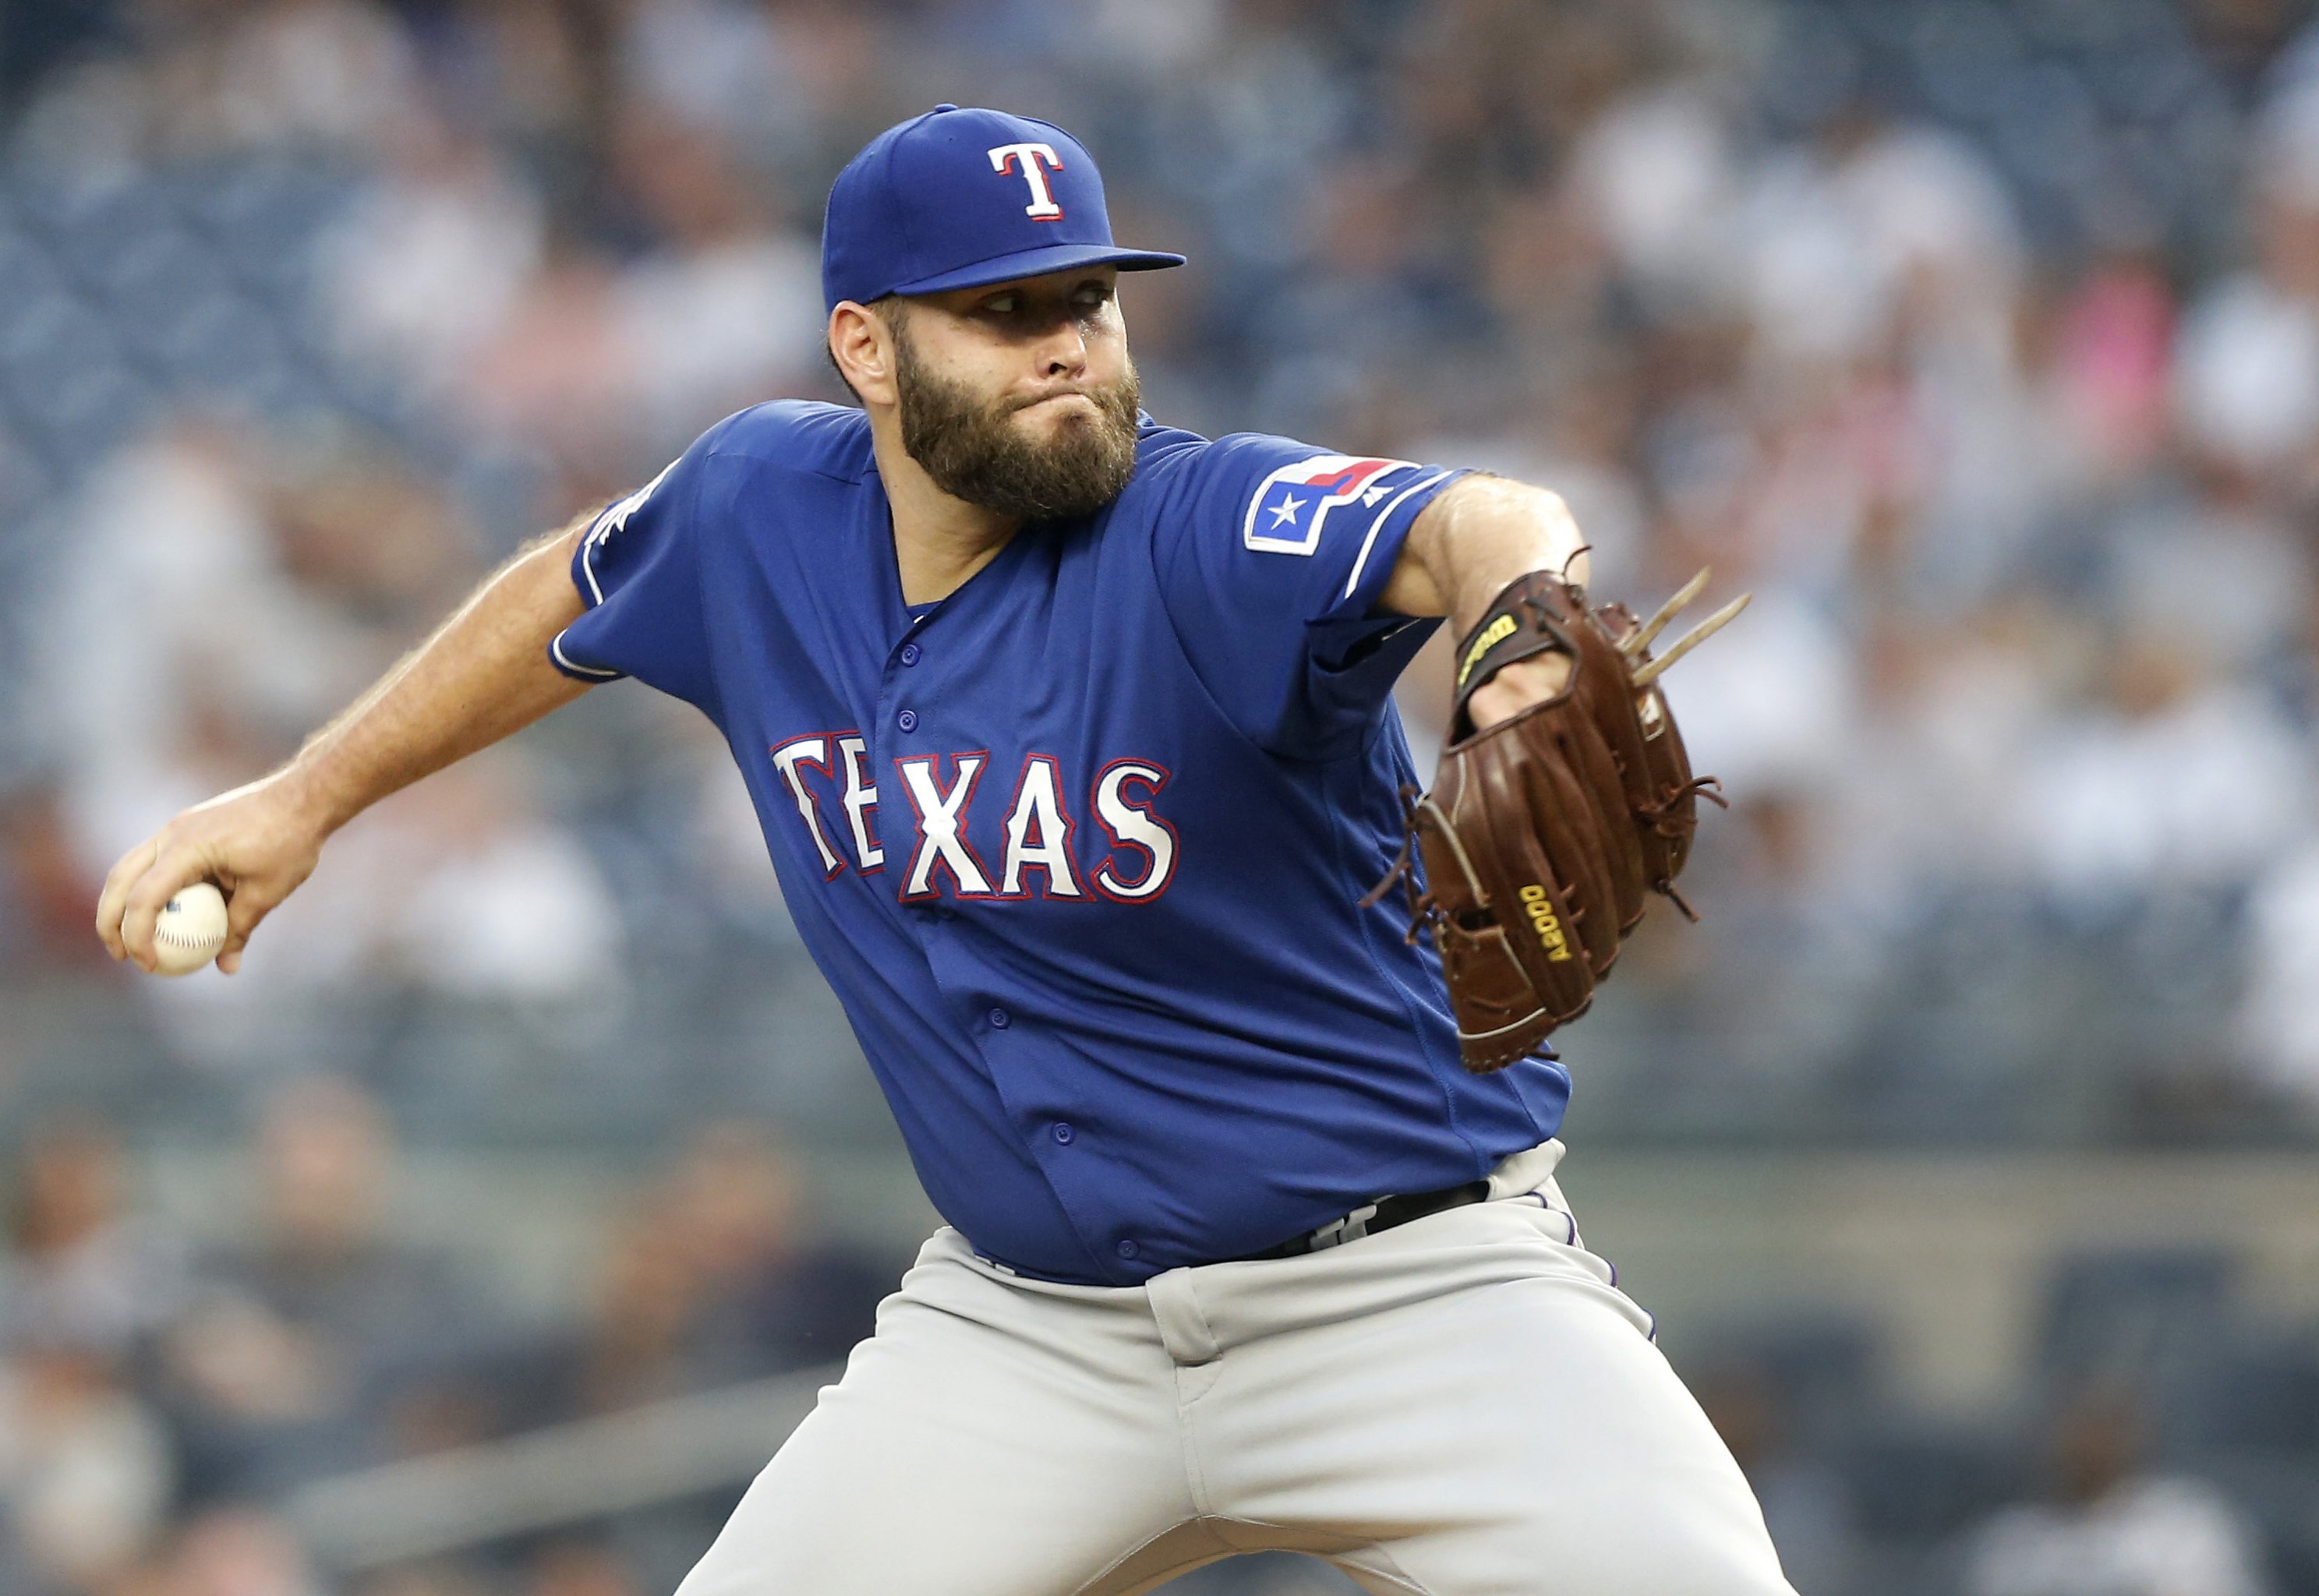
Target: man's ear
<point>862,347</point>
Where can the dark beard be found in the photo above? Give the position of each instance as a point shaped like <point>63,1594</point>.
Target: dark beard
<point>971,451</point>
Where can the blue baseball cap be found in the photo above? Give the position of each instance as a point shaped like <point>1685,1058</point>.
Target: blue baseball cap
<point>958,198</point>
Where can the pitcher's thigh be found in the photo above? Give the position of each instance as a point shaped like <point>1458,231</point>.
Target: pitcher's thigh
<point>1523,1439</point>
<point>953,1460</point>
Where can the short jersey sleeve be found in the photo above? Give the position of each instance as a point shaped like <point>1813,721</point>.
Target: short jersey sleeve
<point>638,571</point>
<point>1271,554</point>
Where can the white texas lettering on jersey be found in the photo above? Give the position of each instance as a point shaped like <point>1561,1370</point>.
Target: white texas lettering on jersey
<point>1134,827</point>
<point>1037,830</point>
<point>1005,156</point>
<point>787,758</point>
<point>942,818</point>
<point>1039,834</point>
<point>861,797</point>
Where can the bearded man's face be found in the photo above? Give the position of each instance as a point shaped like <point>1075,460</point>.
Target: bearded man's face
<point>1049,453</point>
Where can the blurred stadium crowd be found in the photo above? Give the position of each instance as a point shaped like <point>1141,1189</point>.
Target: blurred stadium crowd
<point>159,1397</point>
<point>1980,341</point>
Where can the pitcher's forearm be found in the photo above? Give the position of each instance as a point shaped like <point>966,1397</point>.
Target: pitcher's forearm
<point>482,675</point>
<point>1480,534</point>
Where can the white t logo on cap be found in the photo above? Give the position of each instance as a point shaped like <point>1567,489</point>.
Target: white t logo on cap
<point>1043,206</point>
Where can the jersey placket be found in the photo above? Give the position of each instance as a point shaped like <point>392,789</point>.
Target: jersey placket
<point>918,679</point>
<point>916,682</point>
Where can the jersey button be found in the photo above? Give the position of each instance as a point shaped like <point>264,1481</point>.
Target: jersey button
<point>1064,1134</point>
<point>907,721</point>
<point>1000,1019</point>
<point>911,653</point>
<point>1128,1249</point>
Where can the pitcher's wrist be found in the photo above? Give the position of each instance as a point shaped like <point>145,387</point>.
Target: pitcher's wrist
<point>315,792</point>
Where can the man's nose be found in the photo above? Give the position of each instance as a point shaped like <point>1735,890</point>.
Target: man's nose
<point>1064,350</point>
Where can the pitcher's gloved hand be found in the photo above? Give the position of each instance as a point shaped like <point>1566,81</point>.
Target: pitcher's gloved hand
<point>1544,830</point>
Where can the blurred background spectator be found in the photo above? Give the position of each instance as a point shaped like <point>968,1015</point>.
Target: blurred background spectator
<point>1978,338</point>
<point>2106,1527</point>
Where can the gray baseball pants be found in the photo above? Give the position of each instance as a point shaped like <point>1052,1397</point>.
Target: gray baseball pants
<point>1463,1405</point>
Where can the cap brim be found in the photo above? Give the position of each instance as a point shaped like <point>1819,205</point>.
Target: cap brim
<point>1032,263</point>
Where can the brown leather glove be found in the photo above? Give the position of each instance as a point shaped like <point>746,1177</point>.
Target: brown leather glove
<point>1544,833</point>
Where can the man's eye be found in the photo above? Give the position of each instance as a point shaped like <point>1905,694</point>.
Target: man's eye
<point>1004,305</point>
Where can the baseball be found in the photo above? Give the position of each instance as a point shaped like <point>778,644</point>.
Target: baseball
<point>190,931</point>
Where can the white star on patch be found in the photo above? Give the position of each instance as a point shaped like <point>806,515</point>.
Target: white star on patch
<point>1284,512</point>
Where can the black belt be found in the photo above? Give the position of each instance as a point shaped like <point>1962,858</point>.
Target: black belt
<point>1370,1218</point>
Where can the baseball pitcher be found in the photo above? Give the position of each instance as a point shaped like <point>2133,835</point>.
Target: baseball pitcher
<point>1070,737</point>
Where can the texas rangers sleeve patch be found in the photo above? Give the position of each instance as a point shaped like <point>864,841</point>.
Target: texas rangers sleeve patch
<point>1285,514</point>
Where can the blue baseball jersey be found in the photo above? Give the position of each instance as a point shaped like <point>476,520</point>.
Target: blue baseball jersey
<point>1081,847</point>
